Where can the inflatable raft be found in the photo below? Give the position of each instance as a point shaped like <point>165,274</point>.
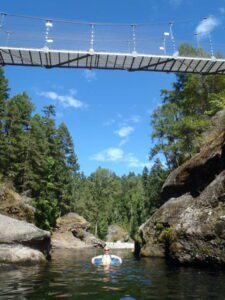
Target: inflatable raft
<point>115,260</point>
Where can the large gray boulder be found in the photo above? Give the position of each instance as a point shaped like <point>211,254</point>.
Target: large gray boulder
<point>190,227</point>
<point>71,232</point>
<point>16,235</point>
<point>13,231</point>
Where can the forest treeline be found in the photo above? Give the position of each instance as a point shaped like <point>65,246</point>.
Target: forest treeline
<point>39,158</point>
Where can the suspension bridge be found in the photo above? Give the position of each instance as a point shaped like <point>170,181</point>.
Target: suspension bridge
<point>42,42</point>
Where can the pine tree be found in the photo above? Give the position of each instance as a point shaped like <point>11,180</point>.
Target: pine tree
<point>17,123</point>
<point>3,100</point>
<point>185,113</point>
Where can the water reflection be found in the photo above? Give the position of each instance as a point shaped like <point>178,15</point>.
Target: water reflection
<point>71,275</point>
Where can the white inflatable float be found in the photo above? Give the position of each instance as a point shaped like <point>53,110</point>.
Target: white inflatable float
<point>115,260</point>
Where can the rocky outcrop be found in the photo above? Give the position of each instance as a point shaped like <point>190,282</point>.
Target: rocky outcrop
<point>14,205</point>
<point>190,226</point>
<point>72,232</point>
<point>21,241</point>
<point>196,174</point>
<point>117,233</point>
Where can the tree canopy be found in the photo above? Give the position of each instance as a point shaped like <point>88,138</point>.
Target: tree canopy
<point>38,157</point>
<point>185,113</point>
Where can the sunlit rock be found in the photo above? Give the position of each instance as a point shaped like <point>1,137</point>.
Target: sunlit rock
<point>72,232</point>
<point>190,226</point>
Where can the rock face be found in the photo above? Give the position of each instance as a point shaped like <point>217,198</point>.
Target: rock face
<point>117,233</point>
<point>190,226</point>
<point>14,205</point>
<point>19,238</point>
<point>71,233</point>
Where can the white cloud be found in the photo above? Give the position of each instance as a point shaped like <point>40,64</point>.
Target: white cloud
<point>134,162</point>
<point>110,154</point>
<point>89,75</point>
<point>125,128</point>
<point>206,26</point>
<point>66,100</point>
<point>124,131</point>
<point>118,155</point>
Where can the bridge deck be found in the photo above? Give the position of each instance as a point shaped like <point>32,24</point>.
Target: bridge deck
<point>113,61</point>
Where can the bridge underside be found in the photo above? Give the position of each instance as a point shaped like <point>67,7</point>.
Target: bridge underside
<point>113,61</point>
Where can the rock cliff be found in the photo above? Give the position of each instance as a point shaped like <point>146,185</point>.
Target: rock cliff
<point>190,226</point>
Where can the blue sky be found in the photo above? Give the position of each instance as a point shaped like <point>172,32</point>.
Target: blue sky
<point>108,112</point>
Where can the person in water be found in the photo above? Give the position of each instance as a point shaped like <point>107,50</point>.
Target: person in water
<point>106,259</point>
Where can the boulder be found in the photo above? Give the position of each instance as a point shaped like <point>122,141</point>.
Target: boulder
<point>88,238</point>
<point>20,254</point>
<point>71,232</point>
<point>117,233</point>
<point>13,231</point>
<point>23,238</point>
<point>70,221</point>
<point>190,227</point>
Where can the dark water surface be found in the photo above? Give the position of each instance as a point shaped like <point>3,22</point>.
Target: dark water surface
<point>70,275</point>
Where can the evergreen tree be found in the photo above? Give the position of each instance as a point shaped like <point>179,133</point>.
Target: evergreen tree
<point>3,96</point>
<point>3,100</point>
<point>66,169</point>
<point>185,113</point>
<point>17,123</point>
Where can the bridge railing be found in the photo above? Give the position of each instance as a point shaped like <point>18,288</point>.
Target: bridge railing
<point>156,38</point>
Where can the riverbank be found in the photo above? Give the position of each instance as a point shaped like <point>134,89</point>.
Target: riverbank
<point>120,245</point>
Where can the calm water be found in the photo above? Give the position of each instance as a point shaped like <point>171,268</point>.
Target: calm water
<point>70,275</point>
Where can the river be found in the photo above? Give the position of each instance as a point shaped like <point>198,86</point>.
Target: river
<point>70,275</point>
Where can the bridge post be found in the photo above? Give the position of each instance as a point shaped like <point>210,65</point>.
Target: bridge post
<point>211,45</point>
<point>134,38</point>
<point>172,37</point>
<point>92,38</point>
<point>48,25</point>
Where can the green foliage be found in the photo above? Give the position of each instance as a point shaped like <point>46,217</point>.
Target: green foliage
<point>46,211</point>
<point>36,156</point>
<point>39,159</point>
<point>104,198</point>
<point>165,233</point>
<point>185,113</point>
